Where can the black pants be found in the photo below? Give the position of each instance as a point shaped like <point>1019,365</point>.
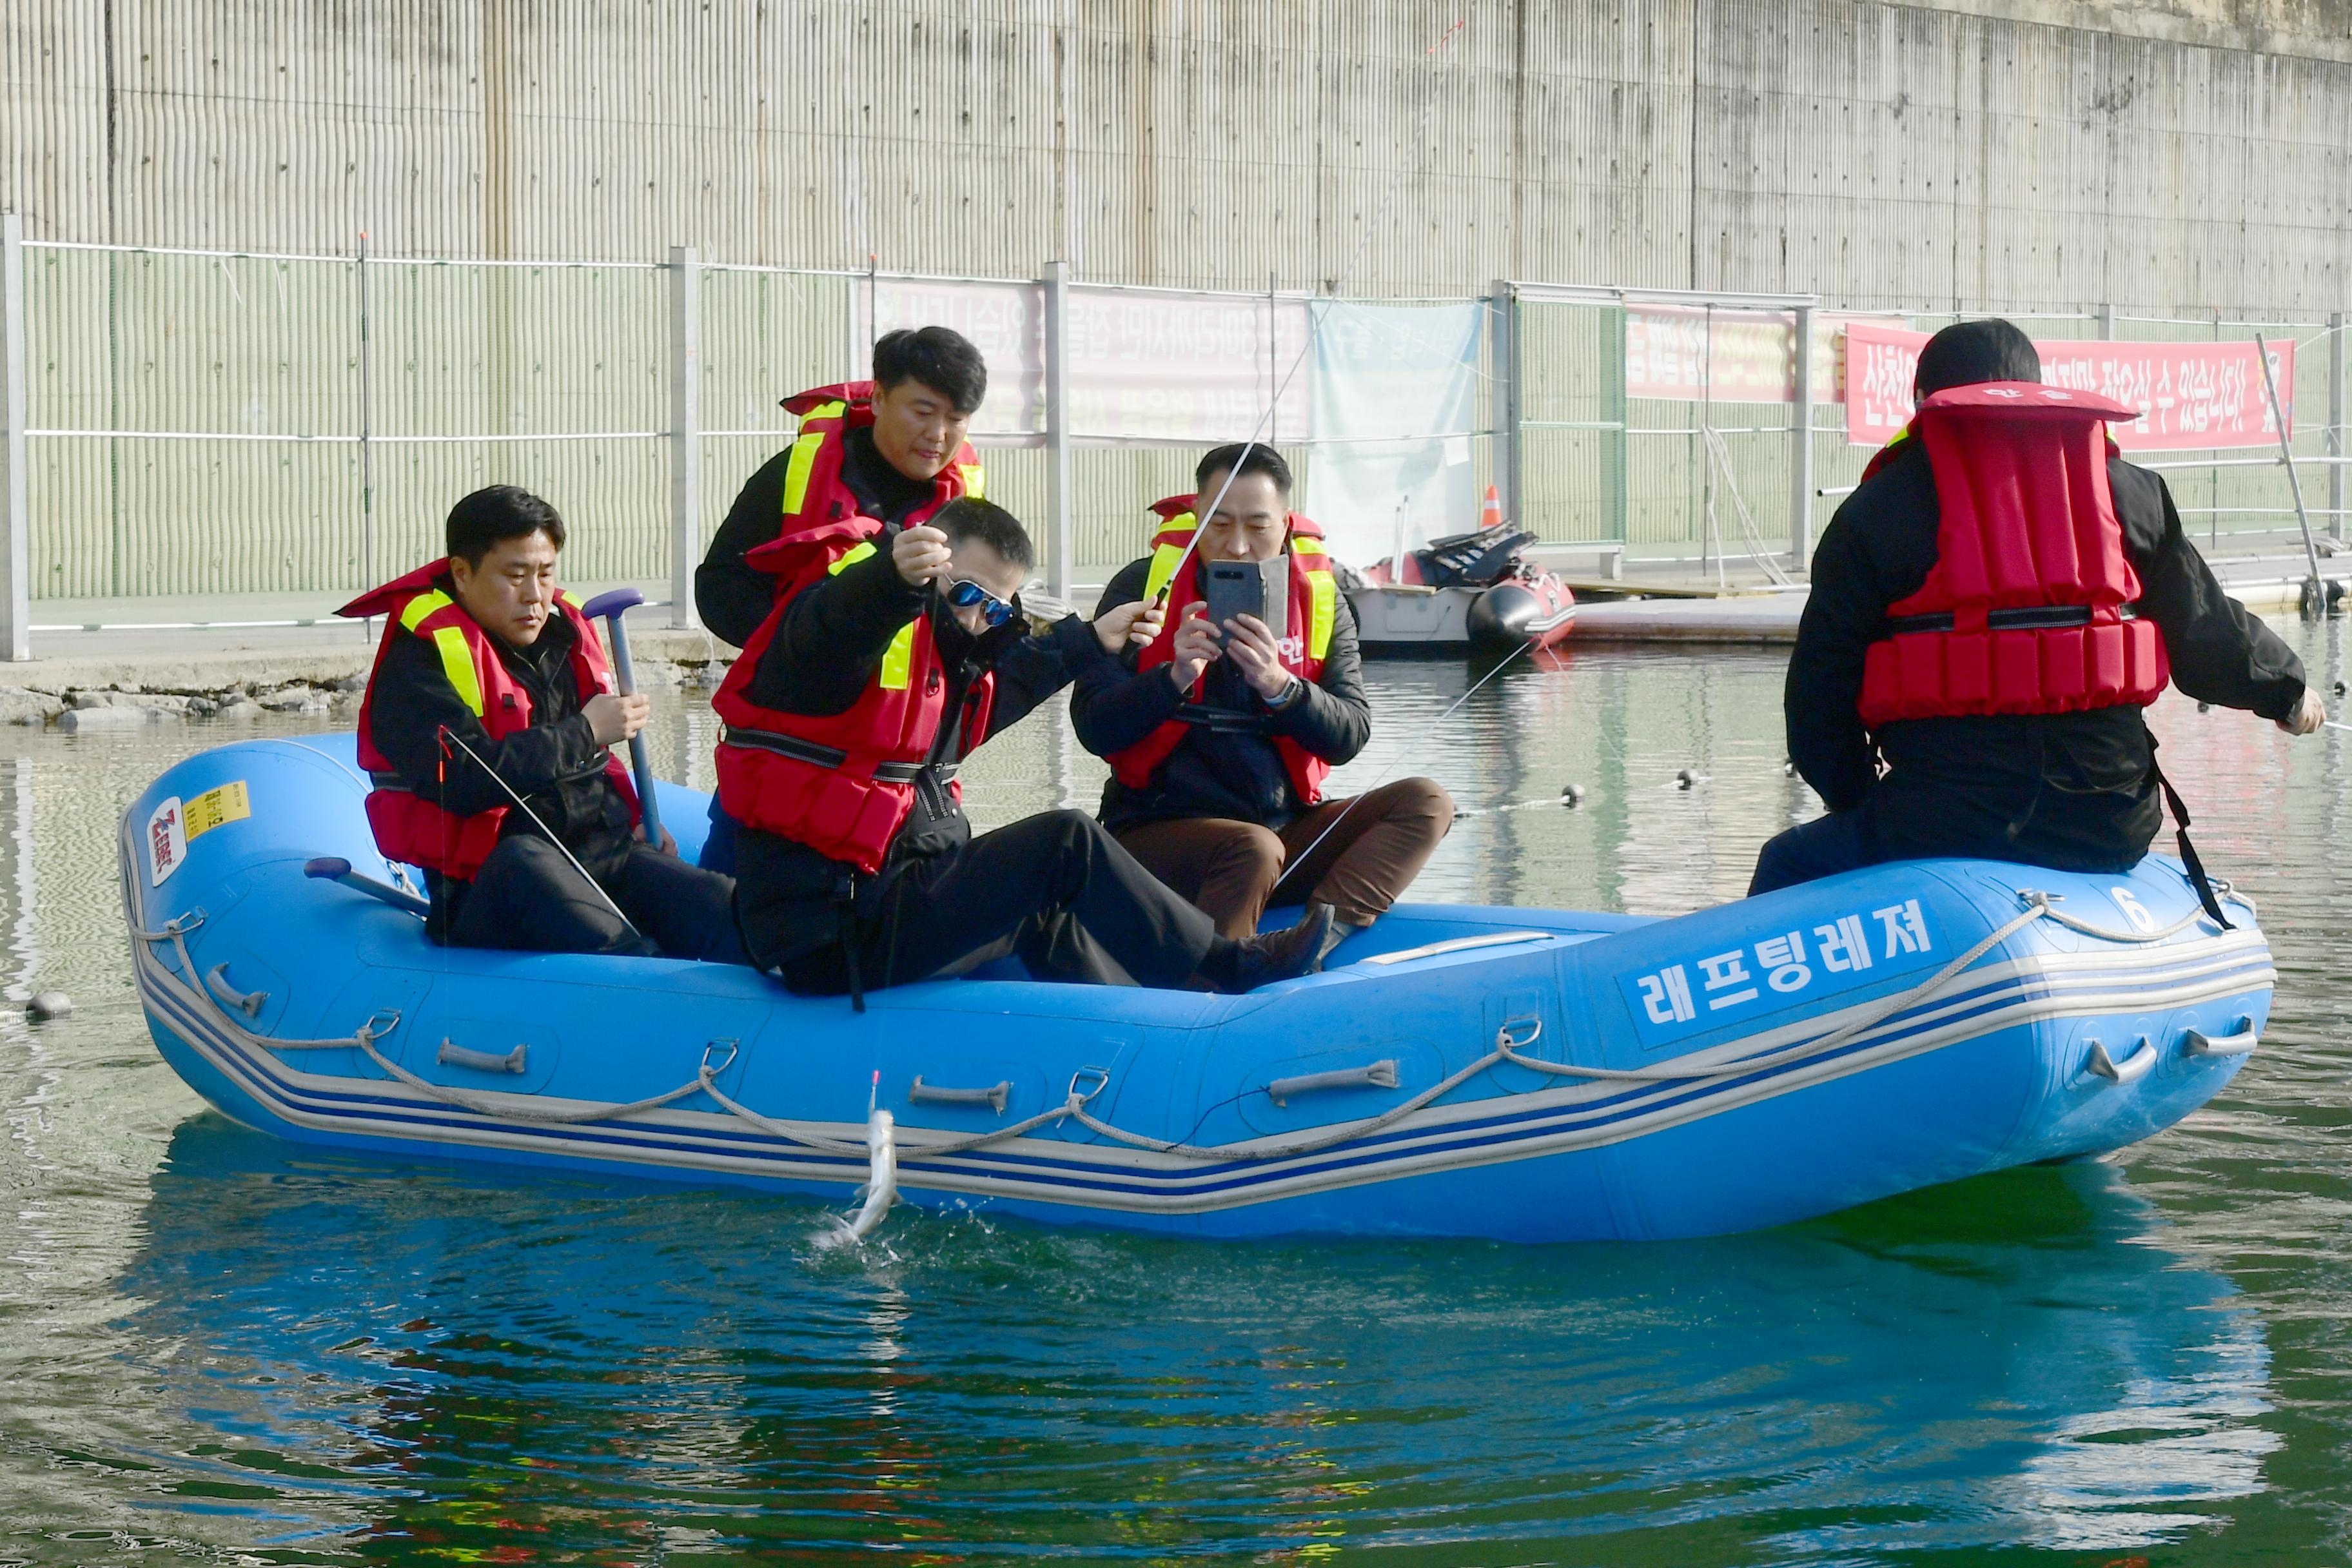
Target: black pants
<point>1054,890</point>
<point>528,898</point>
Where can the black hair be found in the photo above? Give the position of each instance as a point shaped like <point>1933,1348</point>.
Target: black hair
<point>939,357</point>
<point>1243,458</point>
<point>967,518</point>
<point>490,517</point>
<point>1968,353</point>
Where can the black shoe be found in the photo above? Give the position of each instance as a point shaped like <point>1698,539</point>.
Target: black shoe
<point>1283,954</point>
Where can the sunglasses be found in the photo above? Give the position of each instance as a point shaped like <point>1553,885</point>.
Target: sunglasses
<point>964,594</point>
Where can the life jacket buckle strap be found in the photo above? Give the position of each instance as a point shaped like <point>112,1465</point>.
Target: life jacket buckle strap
<point>818,756</point>
<point>2031,618</point>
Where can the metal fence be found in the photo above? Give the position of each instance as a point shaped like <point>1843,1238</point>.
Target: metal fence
<point>193,422</point>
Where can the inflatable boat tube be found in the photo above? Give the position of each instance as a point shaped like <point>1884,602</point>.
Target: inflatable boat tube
<point>1528,1075</point>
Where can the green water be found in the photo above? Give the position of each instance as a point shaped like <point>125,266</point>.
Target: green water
<point>214,1348</point>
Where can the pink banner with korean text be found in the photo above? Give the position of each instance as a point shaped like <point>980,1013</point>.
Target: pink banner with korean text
<point>2192,397</point>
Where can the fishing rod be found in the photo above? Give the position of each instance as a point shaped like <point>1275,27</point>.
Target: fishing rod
<point>1382,776</point>
<point>1200,514</point>
<point>449,737</point>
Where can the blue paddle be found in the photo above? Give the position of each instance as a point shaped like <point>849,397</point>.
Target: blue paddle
<point>609,607</point>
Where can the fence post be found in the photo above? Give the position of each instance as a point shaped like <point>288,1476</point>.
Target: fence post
<point>2338,354</point>
<point>16,510</point>
<point>1058,492</point>
<point>1800,454</point>
<point>1504,312</point>
<point>685,430</point>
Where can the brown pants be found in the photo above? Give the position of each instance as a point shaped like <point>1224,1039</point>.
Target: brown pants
<point>1233,869</point>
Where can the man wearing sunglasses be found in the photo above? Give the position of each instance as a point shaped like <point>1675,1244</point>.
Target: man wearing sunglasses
<point>892,450</point>
<point>891,653</point>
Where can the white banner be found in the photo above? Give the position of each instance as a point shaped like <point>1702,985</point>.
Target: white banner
<point>1148,366</point>
<point>1145,365</point>
<point>1006,321</point>
<point>1396,403</point>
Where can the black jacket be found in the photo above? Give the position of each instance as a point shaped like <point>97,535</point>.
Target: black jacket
<point>732,598</point>
<point>555,765</point>
<point>1226,771</point>
<point>2076,791</point>
<point>826,650</point>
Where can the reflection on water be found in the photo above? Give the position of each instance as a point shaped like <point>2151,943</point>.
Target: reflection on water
<point>213,1343</point>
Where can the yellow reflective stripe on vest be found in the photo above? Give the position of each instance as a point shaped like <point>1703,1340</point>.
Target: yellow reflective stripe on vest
<point>1163,569</point>
<point>458,664</point>
<point>1326,591</point>
<point>422,606</point>
<point>975,481</point>
<point>803,457</point>
<point>898,658</point>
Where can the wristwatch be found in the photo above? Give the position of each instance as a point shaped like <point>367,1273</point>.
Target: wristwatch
<point>1290,694</point>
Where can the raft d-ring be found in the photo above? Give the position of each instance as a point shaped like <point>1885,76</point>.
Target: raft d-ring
<point>711,1068</point>
<point>1102,1081</point>
<point>1507,1041</point>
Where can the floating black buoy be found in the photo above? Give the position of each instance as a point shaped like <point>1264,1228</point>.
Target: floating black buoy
<point>1788,769</point>
<point>1571,796</point>
<point>1686,778</point>
<point>47,1005</point>
<point>2204,708</point>
<point>2340,688</point>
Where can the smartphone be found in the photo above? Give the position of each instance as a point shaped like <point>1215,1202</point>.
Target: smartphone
<point>1259,588</point>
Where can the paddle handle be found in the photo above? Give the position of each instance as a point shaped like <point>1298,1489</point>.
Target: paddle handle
<point>613,607</point>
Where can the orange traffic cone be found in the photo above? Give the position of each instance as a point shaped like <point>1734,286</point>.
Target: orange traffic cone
<point>1490,510</point>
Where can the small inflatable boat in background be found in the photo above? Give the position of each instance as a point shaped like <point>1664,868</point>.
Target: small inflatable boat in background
<point>1470,593</point>
<point>1528,1075</point>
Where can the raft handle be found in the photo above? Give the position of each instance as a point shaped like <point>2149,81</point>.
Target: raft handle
<point>994,1096</point>
<point>2241,1042</point>
<point>2131,1070</point>
<point>1376,1074</point>
<point>248,1003</point>
<point>457,1056</point>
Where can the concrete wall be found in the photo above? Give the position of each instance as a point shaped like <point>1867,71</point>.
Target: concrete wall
<point>2174,155</point>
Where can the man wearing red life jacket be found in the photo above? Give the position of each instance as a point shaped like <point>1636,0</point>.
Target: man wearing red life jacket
<point>891,654</point>
<point>1989,612</point>
<point>892,450</point>
<point>1219,738</point>
<point>487,729</point>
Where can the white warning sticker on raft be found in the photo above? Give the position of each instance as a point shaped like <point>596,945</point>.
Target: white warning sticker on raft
<point>167,841</point>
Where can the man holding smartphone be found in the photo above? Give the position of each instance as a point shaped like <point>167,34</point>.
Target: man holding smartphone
<point>1220,731</point>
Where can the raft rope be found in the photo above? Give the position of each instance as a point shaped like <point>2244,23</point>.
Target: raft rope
<point>1508,1048</point>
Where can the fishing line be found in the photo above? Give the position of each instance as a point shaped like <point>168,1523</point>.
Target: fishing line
<point>1201,515</point>
<point>1382,778</point>
<point>449,736</point>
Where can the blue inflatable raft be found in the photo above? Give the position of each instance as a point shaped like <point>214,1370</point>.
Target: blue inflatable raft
<point>1528,1075</point>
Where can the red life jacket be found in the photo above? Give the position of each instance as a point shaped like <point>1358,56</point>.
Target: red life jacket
<point>2029,607</point>
<point>842,784</point>
<point>408,828</point>
<point>813,492</point>
<point>1314,606</point>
